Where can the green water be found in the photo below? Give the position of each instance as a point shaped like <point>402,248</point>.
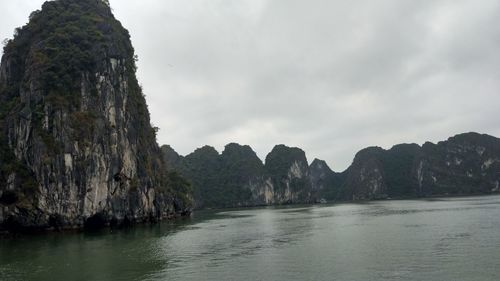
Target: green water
<point>441,239</point>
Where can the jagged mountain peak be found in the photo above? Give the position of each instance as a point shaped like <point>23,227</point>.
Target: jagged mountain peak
<point>319,164</point>
<point>205,151</point>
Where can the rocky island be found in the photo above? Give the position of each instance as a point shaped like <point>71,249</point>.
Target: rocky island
<point>465,164</point>
<point>76,145</point>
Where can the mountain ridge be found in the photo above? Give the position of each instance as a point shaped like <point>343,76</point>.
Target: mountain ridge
<point>406,170</point>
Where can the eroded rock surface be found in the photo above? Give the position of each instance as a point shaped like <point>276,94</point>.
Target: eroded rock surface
<point>77,147</point>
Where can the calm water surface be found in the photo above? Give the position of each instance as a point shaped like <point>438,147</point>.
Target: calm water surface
<point>440,239</point>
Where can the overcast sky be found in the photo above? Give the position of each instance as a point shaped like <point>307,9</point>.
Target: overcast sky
<point>330,77</point>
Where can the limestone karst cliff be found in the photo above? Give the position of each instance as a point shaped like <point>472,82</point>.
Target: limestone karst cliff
<point>237,177</point>
<point>462,165</point>
<point>325,183</point>
<point>76,143</point>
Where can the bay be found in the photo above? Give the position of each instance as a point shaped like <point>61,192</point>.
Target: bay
<point>436,239</point>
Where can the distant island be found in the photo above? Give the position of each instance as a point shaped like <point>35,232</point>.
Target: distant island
<point>465,164</point>
<point>77,149</point>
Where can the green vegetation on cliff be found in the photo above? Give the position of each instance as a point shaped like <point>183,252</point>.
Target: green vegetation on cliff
<point>60,42</point>
<point>287,167</point>
<point>464,164</point>
<point>75,127</point>
<point>218,180</point>
<point>237,177</point>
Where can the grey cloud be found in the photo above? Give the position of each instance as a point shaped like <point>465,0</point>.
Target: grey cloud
<point>330,77</point>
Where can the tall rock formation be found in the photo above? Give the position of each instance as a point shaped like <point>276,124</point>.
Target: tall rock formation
<point>76,142</point>
<point>240,168</point>
<point>377,173</point>
<point>287,172</point>
<point>464,164</point>
<point>325,183</point>
<point>202,168</point>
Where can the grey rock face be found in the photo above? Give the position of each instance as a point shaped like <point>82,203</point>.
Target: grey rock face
<point>325,183</point>
<point>237,177</point>
<point>92,157</point>
<point>284,179</point>
<point>462,165</point>
<point>365,177</point>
